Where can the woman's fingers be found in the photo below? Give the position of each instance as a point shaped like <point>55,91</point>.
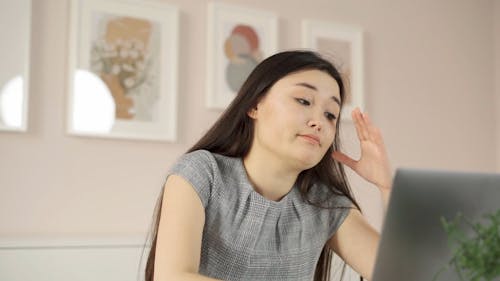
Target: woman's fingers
<point>373,132</point>
<point>365,128</point>
<point>359,124</point>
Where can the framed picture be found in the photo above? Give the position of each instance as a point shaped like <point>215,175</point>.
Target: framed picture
<point>238,39</point>
<point>343,45</point>
<point>15,32</point>
<point>123,69</point>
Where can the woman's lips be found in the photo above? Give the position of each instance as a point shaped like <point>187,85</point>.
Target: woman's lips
<point>311,138</point>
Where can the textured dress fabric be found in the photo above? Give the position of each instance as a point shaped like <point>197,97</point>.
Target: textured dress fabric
<point>249,237</point>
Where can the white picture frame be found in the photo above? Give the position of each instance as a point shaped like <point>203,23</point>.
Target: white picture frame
<point>343,45</point>
<point>15,32</point>
<point>129,48</point>
<point>238,38</point>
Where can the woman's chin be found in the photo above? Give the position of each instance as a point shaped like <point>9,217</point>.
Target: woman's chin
<point>309,160</point>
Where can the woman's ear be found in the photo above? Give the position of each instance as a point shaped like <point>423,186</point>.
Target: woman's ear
<point>252,113</point>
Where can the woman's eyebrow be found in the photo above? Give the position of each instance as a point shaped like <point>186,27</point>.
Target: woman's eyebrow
<point>307,85</point>
<point>312,87</point>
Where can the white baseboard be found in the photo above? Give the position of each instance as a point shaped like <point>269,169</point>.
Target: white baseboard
<point>76,259</point>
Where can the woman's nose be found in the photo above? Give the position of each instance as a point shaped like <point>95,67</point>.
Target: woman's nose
<point>315,123</point>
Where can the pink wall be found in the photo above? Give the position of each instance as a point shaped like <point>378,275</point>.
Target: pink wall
<point>428,80</point>
<point>496,32</point>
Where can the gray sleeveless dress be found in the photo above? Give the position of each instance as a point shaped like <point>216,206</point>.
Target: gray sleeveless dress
<point>248,237</point>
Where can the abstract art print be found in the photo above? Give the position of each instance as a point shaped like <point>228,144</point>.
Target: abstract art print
<point>128,53</point>
<point>343,46</point>
<point>238,39</point>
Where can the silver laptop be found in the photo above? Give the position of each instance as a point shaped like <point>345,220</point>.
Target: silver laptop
<point>428,232</point>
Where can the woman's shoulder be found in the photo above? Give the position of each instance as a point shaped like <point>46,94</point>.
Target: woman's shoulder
<point>193,160</point>
<point>196,158</point>
<point>204,159</point>
<point>205,156</point>
<point>200,169</point>
<point>206,171</point>
<point>198,154</point>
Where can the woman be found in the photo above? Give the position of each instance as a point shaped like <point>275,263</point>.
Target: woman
<point>263,195</point>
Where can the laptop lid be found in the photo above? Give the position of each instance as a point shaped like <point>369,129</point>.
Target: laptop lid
<point>429,227</point>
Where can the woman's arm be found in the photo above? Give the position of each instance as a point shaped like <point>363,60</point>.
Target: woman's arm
<point>356,242</point>
<point>178,245</point>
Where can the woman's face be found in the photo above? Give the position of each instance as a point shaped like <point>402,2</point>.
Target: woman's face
<point>296,120</point>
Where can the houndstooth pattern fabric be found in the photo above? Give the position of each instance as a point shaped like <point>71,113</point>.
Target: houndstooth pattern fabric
<point>248,237</point>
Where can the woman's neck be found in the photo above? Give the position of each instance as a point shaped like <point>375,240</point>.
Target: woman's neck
<point>270,176</point>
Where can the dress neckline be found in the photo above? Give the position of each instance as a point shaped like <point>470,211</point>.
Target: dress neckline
<point>259,197</point>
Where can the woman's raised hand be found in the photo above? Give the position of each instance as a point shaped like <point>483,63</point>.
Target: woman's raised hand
<point>373,165</point>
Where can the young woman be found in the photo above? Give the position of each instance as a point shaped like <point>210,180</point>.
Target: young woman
<point>263,194</point>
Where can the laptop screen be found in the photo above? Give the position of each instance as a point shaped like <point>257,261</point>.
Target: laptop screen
<point>437,226</point>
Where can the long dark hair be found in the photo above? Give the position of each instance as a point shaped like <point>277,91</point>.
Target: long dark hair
<point>232,136</point>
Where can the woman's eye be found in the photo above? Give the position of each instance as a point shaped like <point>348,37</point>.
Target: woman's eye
<point>303,101</point>
<point>330,116</point>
